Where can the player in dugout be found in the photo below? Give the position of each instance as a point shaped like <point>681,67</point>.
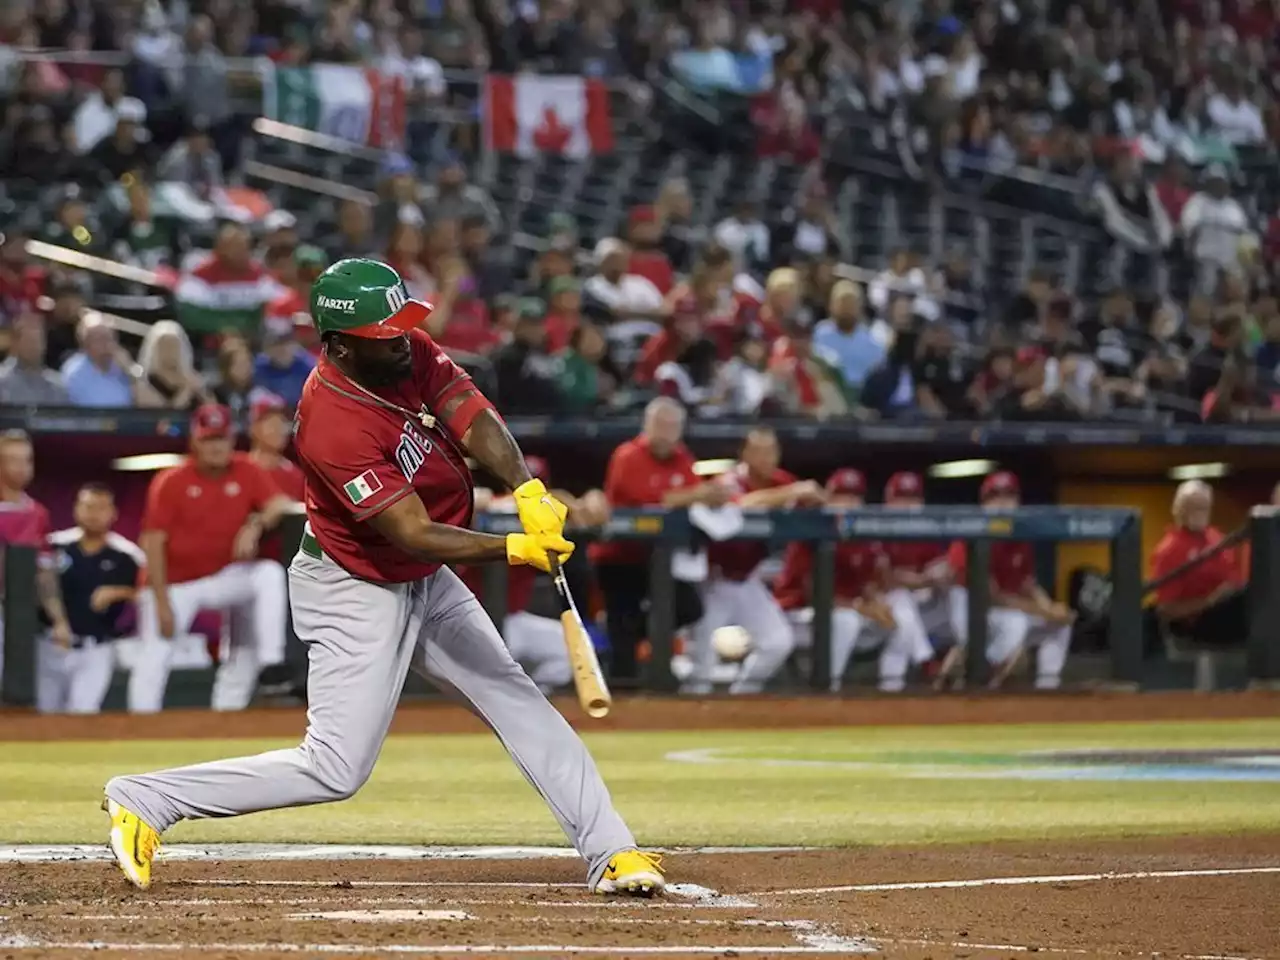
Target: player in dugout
<point>735,593</point>
<point>1022,614</point>
<point>1208,602</point>
<point>200,533</point>
<point>862,618</point>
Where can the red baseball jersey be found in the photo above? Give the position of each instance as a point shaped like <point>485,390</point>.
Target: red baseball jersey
<point>913,555</point>
<point>24,523</point>
<point>1179,545</point>
<point>359,457</point>
<point>860,564</point>
<point>737,559</point>
<point>1013,564</point>
<point>636,478</point>
<point>288,479</point>
<point>200,514</point>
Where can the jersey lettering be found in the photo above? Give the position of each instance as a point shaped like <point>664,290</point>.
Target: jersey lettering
<point>411,453</point>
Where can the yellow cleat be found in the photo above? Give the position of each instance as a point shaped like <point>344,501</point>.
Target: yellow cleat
<point>633,872</point>
<point>133,842</point>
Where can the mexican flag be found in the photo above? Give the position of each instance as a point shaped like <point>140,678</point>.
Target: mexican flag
<point>212,299</point>
<point>340,100</point>
<point>361,488</point>
<point>529,114</point>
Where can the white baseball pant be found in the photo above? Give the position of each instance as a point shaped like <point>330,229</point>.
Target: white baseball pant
<point>362,639</point>
<point>749,604</point>
<point>906,644</point>
<point>73,680</point>
<point>1009,631</point>
<point>253,595</point>
<point>537,644</point>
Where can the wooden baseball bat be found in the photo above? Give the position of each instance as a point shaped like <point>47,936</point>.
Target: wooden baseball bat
<point>593,692</point>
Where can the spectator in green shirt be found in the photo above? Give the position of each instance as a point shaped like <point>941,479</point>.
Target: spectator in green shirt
<point>586,375</point>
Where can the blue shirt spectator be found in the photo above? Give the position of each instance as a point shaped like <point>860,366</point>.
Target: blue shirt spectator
<point>847,337</point>
<point>709,69</point>
<point>283,367</point>
<point>93,375</point>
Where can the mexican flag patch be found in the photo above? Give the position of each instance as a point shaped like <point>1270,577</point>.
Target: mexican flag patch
<point>361,488</point>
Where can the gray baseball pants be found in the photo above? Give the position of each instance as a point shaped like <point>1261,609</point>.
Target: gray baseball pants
<point>362,639</point>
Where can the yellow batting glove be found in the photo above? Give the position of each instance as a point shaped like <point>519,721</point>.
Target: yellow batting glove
<point>540,512</point>
<point>532,549</point>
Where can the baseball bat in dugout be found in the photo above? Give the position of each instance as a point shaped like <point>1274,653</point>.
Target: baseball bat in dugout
<point>588,681</point>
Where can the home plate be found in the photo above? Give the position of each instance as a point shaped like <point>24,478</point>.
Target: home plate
<point>383,916</point>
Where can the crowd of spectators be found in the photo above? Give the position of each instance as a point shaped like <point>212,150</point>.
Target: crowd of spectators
<point>1142,108</point>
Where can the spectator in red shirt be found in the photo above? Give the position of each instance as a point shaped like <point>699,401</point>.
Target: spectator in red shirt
<point>21,284</point>
<point>654,469</point>
<point>647,259</point>
<point>1172,189</point>
<point>1208,601</point>
<point>564,311</point>
<point>296,270</point>
<point>1022,614</point>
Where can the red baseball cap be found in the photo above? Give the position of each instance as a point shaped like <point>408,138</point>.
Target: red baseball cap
<point>904,484</point>
<point>643,214</point>
<point>211,420</point>
<point>1000,484</point>
<point>266,404</point>
<point>847,480</point>
<point>538,468</point>
<point>1029,355</point>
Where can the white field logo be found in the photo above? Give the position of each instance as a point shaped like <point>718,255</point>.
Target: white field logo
<point>361,488</point>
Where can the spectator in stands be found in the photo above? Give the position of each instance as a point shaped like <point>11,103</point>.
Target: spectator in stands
<point>62,322</point>
<point>22,283</point>
<point>655,468</point>
<point>25,381</point>
<point>1171,188</point>
<point>680,360</point>
<point>404,252</point>
<point>805,381</point>
<point>398,196</point>
<point>235,388</point>
<point>1213,225</point>
<point>846,335</point>
<point>942,375</point>
<point>890,388</point>
<point>73,225</point>
<point>743,386</point>
<point>783,305</point>
<point>1237,398</point>
<point>198,81</point>
<point>227,291</point>
<point>452,198</point>
<point>1114,338</point>
<point>292,309</point>
<point>279,232</point>
<point>587,379</point>
<point>1208,601</point>
<point>809,230</point>
<point>127,149</point>
<point>95,118</point>
<point>169,378</point>
<point>353,232</point>
<point>193,160</point>
<point>615,296</point>
<point>1232,116</point>
<point>681,236</point>
<point>528,376</point>
<point>902,276</point>
<point>745,236</point>
<point>564,311</point>
<point>143,240</point>
<point>489,269</point>
<point>1133,216</point>
<point>35,154</point>
<point>1225,339</point>
<point>283,366</point>
<point>100,374</point>
<point>647,258</point>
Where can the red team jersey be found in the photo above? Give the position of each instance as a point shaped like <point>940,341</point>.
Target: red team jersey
<point>737,559</point>
<point>288,479</point>
<point>1013,565</point>
<point>359,458</point>
<point>859,565</point>
<point>636,478</point>
<point>200,514</point>
<point>1178,546</point>
<point>913,555</point>
<point>23,523</point>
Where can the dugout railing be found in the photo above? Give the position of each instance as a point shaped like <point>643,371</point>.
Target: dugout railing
<point>670,530</point>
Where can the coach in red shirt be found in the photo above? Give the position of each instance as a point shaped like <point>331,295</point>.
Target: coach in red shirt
<point>654,469</point>
<point>1207,602</point>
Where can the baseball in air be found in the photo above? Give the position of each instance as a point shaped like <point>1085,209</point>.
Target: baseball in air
<point>730,643</point>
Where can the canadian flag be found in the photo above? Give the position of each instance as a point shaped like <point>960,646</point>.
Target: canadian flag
<point>530,113</point>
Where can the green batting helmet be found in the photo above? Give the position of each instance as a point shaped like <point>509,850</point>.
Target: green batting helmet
<point>364,298</point>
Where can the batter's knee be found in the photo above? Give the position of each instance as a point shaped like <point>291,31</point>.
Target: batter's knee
<point>337,777</point>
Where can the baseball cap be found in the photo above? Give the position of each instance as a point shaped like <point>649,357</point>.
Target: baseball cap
<point>531,308</point>
<point>364,298</point>
<point>309,256</point>
<point>847,480</point>
<point>643,214</point>
<point>266,404</point>
<point>211,420</point>
<point>131,110</point>
<point>279,220</point>
<point>904,484</point>
<point>562,285</point>
<point>1002,483</point>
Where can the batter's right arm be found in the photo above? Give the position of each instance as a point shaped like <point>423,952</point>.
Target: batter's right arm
<point>407,524</point>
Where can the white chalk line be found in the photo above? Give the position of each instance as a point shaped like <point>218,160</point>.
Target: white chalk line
<point>1022,948</point>
<point>408,916</point>
<point>614,905</point>
<point>1015,881</point>
<point>26,943</point>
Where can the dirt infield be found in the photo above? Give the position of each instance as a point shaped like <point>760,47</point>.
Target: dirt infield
<point>671,713</point>
<point>934,902</point>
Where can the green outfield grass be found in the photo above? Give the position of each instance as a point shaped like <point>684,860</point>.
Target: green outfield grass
<point>823,787</point>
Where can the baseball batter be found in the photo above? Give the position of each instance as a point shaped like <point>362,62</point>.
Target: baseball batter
<point>382,431</point>
<point>1022,615</point>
